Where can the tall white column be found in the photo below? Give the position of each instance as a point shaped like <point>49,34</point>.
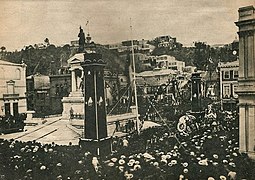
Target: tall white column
<point>73,81</point>
<point>242,136</point>
<point>251,140</point>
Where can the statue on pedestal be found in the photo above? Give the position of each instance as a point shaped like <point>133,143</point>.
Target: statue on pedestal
<point>81,36</point>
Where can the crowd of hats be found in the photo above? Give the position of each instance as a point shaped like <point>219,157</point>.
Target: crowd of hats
<point>156,153</point>
<point>32,160</point>
<point>209,153</point>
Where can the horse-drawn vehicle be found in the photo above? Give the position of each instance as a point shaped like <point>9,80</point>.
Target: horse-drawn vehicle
<point>9,123</point>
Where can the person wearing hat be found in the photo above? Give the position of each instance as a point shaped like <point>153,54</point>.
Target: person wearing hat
<point>95,163</point>
<point>232,175</point>
<point>125,142</point>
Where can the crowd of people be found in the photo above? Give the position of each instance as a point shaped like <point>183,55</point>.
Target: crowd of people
<point>210,152</point>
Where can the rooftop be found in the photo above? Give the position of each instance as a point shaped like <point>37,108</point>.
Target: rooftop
<point>229,64</point>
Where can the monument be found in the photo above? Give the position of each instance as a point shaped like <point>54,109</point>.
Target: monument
<point>246,80</point>
<point>73,104</point>
<point>95,137</point>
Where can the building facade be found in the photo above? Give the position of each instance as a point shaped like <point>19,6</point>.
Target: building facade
<point>12,88</point>
<point>60,86</point>
<point>138,45</point>
<point>167,62</point>
<point>38,94</point>
<point>228,84</point>
<point>166,41</point>
<point>246,80</point>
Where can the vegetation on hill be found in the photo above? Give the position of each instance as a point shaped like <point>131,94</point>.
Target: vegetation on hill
<point>201,55</point>
<point>48,59</point>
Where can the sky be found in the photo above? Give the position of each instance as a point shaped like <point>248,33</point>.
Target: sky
<point>25,22</point>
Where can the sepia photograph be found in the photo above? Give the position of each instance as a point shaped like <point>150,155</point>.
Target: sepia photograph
<point>127,89</point>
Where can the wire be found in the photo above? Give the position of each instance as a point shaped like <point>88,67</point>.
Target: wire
<point>119,100</point>
<point>166,124</point>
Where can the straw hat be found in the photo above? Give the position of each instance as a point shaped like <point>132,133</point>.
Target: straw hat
<point>223,177</point>
<point>185,170</point>
<point>114,160</point>
<point>42,167</point>
<point>185,164</point>
<point>215,156</point>
<point>59,164</point>
<point>121,161</point>
<point>137,166</point>
<point>111,164</point>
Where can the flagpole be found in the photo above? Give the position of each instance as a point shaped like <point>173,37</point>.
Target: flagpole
<point>87,24</point>
<point>134,81</point>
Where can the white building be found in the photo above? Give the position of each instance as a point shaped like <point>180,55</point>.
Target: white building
<point>157,76</point>
<point>169,62</point>
<point>166,41</point>
<point>12,88</point>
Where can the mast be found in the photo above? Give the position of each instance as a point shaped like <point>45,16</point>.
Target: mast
<point>134,81</point>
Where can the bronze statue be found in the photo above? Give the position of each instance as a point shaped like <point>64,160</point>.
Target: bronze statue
<point>81,36</point>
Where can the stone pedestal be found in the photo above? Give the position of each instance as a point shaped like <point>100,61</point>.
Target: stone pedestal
<point>75,101</point>
<point>30,115</point>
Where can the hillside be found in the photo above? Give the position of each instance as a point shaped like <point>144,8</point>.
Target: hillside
<point>201,55</point>
<point>49,59</point>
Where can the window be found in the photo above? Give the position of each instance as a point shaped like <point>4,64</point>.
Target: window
<point>226,75</point>
<point>10,87</point>
<point>235,75</point>
<point>7,109</point>
<point>226,91</point>
<point>15,109</point>
<point>17,74</point>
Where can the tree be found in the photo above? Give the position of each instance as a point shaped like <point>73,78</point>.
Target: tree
<point>3,49</point>
<point>201,55</point>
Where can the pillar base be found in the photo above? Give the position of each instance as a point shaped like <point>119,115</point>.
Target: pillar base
<point>76,103</point>
<point>251,155</point>
<point>101,147</point>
